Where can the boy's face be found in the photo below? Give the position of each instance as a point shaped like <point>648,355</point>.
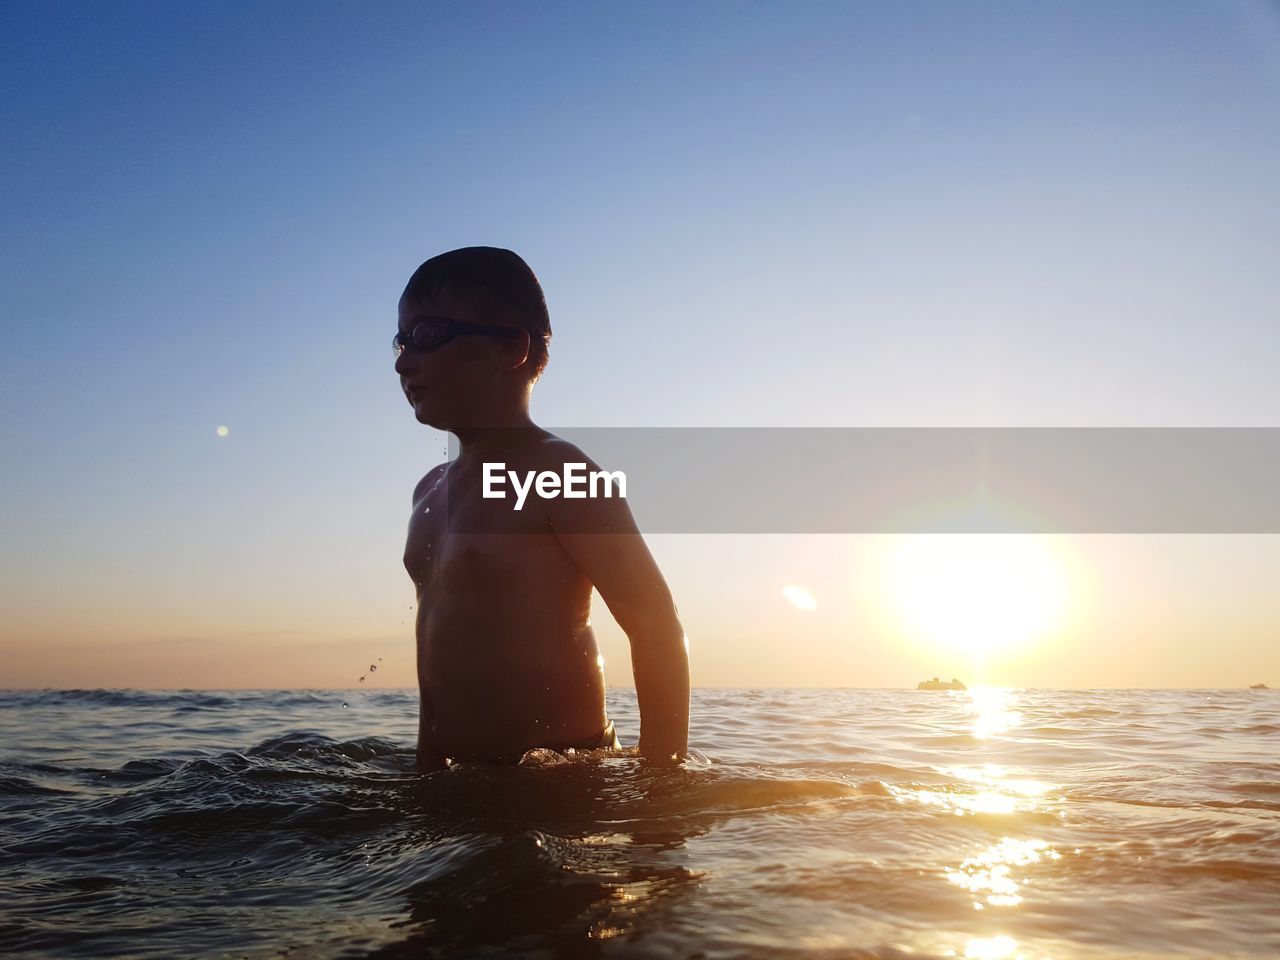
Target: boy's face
<point>446,385</point>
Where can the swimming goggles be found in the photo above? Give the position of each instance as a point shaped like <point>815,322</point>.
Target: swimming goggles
<point>435,332</point>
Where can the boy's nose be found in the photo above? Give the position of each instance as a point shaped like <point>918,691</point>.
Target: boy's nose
<point>403,362</point>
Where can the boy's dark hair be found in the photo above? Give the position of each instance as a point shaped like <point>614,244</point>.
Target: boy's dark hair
<point>495,275</point>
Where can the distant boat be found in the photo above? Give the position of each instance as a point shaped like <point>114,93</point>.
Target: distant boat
<point>936,684</point>
<point>1258,686</point>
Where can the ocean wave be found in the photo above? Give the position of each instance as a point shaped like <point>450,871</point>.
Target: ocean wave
<point>813,823</point>
<point>22,787</point>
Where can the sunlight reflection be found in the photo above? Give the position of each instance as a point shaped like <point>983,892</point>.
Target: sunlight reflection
<point>994,775</point>
<point>988,801</point>
<point>989,872</point>
<point>991,711</point>
<point>965,804</point>
<point>991,948</point>
<point>992,791</point>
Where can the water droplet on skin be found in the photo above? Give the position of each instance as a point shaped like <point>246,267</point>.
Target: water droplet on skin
<point>362,679</point>
<point>373,668</point>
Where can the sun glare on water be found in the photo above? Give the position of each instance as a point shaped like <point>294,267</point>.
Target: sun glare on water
<point>978,594</point>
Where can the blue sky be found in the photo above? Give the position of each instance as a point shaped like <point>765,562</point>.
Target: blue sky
<point>799,214</point>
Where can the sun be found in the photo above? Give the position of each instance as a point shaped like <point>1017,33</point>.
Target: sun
<point>980,594</point>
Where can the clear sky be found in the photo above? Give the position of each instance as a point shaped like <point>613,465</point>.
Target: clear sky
<point>780,214</point>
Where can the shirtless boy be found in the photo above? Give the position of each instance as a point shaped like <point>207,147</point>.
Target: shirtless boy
<point>507,660</point>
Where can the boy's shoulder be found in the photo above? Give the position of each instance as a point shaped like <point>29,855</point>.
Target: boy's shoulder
<point>432,476</point>
<point>554,452</point>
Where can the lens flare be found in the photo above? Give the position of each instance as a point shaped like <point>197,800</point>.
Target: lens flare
<point>799,597</point>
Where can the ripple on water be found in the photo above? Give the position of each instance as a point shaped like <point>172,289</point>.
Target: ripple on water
<point>841,823</point>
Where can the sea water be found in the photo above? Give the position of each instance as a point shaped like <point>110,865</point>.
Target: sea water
<point>813,823</point>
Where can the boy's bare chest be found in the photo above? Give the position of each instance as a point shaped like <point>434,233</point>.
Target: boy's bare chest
<point>457,540</point>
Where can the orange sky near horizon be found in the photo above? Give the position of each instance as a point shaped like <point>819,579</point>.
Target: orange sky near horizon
<point>1137,611</point>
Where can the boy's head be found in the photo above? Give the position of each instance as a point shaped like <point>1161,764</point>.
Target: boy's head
<point>495,332</point>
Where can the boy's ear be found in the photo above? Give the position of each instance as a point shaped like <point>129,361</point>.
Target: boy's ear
<point>513,352</point>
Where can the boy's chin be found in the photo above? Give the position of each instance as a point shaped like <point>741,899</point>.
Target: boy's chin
<point>430,418</point>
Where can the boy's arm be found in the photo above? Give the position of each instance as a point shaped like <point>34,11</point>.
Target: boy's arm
<point>618,563</point>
